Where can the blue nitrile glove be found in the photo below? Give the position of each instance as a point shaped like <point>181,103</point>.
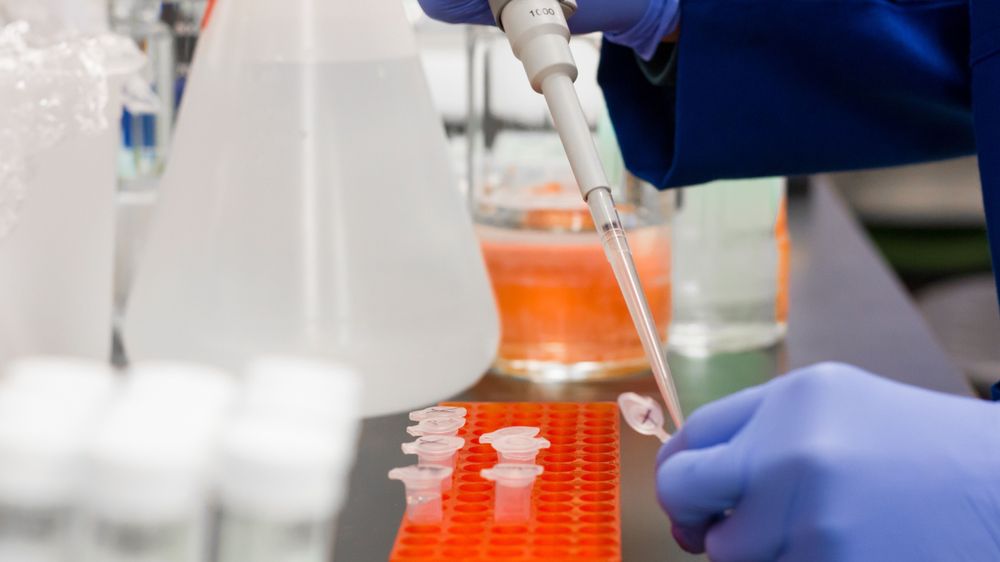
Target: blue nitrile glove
<point>638,24</point>
<point>831,463</point>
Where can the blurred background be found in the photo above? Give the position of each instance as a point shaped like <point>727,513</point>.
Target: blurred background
<point>927,220</point>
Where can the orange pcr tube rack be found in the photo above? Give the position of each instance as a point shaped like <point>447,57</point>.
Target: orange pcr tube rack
<point>576,509</point>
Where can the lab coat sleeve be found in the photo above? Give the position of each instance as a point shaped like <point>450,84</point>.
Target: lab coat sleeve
<point>785,87</point>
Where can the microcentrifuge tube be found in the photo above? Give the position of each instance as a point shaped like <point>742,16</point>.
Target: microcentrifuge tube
<point>513,490</point>
<point>435,450</point>
<point>519,449</point>
<point>514,430</point>
<point>438,412</point>
<point>423,491</point>
<point>436,426</point>
<point>643,414</point>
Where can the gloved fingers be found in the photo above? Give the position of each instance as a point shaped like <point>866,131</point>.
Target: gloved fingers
<point>757,527</point>
<point>615,16</point>
<point>714,423</point>
<point>749,534</point>
<point>459,11</point>
<point>696,488</point>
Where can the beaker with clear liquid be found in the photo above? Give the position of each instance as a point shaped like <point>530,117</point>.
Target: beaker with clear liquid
<point>562,313</point>
<point>309,209</point>
<point>731,264</point>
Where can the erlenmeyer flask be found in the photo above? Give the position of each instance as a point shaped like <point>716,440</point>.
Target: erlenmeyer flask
<point>309,208</point>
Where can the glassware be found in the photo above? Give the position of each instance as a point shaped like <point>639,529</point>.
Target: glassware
<point>147,131</point>
<point>60,102</point>
<point>562,313</point>
<point>309,209</point>
<point>731,260</point>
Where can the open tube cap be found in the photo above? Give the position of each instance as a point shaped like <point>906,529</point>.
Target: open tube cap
<point>643,414</point>
<point>424,478</point>
<point>438,412</point>
<point>520,430</point>
<point>434,446</point>
<point>436,426</point>
<point>519,447</point>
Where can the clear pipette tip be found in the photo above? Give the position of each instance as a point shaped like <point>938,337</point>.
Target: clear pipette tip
<point>616,247</point>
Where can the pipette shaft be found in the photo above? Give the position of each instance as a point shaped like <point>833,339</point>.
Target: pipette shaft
<point>539,36</point>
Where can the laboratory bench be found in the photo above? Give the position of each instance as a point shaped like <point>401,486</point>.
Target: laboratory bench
<point>845,305</point>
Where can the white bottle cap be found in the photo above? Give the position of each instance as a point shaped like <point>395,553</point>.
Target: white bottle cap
<point>81,384</point>
<point>191,394</point>
<point>143,468</point>
<point>314,393</point>
<point>48,410</point>
<point>279,471</point>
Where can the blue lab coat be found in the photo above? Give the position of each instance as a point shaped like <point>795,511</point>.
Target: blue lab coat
<point>783,87</point>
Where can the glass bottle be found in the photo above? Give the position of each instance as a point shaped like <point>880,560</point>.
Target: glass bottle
<point>731,261</point>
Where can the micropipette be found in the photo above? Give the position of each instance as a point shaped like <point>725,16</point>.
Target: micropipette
<point>539,35</point>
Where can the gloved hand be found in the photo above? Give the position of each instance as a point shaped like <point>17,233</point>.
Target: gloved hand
<point>638,24</point>
<point>834,464</point>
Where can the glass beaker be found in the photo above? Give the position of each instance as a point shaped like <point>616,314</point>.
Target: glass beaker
<point>562,313</point>
<point>731,259</point>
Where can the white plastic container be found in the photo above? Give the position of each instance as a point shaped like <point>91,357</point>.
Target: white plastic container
<point>147,490</point>
<point>281,487</point>
<point>48,409</point>
<point>309,209</point>
<point>60,106</point>
<point>730,267</point>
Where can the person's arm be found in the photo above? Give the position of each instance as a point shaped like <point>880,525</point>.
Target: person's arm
<point>782,87</point>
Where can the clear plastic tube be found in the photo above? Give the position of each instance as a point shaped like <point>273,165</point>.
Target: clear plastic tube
<point>514,482</point>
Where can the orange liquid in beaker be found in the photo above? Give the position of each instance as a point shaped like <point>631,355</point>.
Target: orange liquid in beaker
<point>560,304</point>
